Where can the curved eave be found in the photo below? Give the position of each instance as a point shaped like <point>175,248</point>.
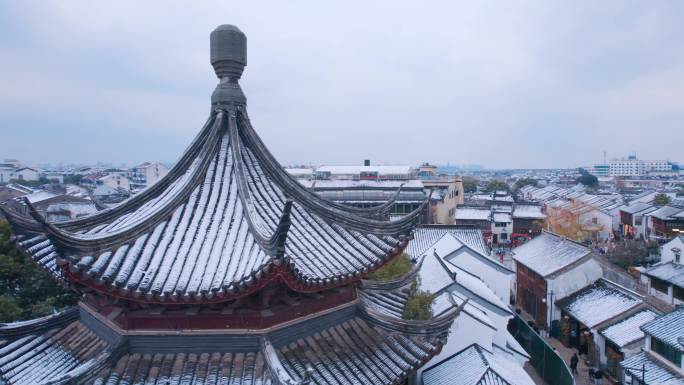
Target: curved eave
<point>230,192</point>
<point>282,273</point>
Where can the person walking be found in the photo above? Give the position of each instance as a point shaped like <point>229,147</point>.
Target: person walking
<point>573,363</point>
<point>598,376</point>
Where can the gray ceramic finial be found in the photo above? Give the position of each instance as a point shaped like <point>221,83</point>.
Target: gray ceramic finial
<point>228,46</point>
<point>228,51</point>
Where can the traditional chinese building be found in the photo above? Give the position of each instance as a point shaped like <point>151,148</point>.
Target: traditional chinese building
<point>226,271</point>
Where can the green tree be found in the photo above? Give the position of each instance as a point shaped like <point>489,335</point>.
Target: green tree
<point>419,306</point>
<point>73,179</point>
<point>588,180</point>
<point>497,185</point>
<point>9,310</point>
<point>396,268</point>
<point>661,199</point>
<point>520,183</point>
<point>32,183</point>
<point>469,184</point>
<point>26,291</point>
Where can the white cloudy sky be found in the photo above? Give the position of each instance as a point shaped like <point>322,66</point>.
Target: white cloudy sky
<point>503,84</point>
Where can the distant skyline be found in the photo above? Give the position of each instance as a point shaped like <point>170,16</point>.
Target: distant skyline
<point>526,85</point>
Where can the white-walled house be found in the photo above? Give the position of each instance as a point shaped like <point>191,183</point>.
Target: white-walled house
<point>550,267</point>
<point>27,173</point>
<point>146,174</point>
<point>662,353</point>
<point>665,281</point>
<point>115,180</point>
<point>596,221</point>
<point>457,269</point>
<point>594,308</point>
<point>624,339</point>
<point>672,250</point>
<point>6,173</point>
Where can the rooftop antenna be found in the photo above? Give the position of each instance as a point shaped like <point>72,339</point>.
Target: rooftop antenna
<point>604,156</point>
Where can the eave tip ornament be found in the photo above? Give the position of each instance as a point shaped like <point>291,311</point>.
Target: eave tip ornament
<point>228,55</point>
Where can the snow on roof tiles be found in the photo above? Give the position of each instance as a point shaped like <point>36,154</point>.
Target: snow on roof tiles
<point>611,299</point>
<point>502,217</point>
<point>666,212</point>
<point>217,223</point>
<point>656,373</point>
<point>476,366</point>
<point>628,330</point>
<point>668,328</point>
<point>668,272</point>
<point>549,253</point>
<point>471,213</point>
<point>528,211</point>
<point>382,170</point>
<point>433,276</point>
<point>636,207</point>
<point>426,236</point>
<point>474,285</point>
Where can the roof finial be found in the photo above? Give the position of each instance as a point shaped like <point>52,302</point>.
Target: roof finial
<point>229,58</point>
<point>228,51</point>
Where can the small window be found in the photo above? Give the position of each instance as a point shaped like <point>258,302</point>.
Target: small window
<point>667,351</point>
<point>659,285</point>
<point>678,293</point>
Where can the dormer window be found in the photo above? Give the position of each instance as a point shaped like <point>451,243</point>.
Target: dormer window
<point>677,254</point>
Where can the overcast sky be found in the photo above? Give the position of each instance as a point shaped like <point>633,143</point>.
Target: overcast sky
<point>503,84</point>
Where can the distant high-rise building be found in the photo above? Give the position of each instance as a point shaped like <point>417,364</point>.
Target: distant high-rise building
<point>631,166</point>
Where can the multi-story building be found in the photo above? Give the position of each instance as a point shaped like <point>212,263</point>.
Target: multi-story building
<point>447,194</point>
<point>632,166</point>
<point>627,167</point>
<point>365,172</point>
<point>398,198</point>
<point>146,174</point>
<point>550,267</point>
<point>600,170</point>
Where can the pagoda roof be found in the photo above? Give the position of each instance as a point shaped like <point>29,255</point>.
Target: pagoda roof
<point>226,220</point>
<point>353,344</point>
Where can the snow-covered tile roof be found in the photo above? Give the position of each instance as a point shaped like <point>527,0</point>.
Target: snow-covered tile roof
<point>549,253</point>
<point>39,196</point>
<point>599,302</point>
<point>300,171</point>
<point>362,184</point>
<point>502,217</point>
<point>426,236</point>
<point>666,212</point>
<point>668,328</point>
<point>636,207</point>
<point>528,211</point>
<point>476,366</point>
<point>472,309</point>
<point>668,272</point>
<point>628,330</point>
<point>359,169</point>
<point>656,373</point>
<point>474,286</point>
<point>472,213</point>
<point>433,276</point>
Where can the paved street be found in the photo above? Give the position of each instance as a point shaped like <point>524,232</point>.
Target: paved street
<point>582,376</point>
